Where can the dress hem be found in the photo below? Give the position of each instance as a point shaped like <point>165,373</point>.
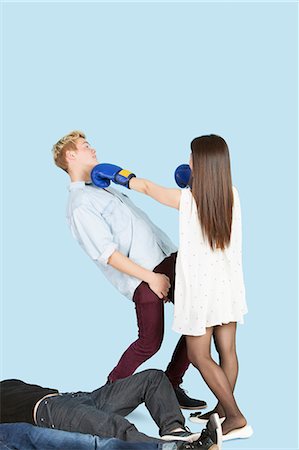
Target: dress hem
<point>240,321</point>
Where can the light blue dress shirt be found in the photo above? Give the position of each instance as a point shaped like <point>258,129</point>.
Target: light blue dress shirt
<point>105,220</point>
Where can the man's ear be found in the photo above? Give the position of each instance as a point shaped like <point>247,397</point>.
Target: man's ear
<point>70,155</point>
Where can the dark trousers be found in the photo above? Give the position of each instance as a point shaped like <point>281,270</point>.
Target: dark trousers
<point>150,320</point>
<point>102,411</point>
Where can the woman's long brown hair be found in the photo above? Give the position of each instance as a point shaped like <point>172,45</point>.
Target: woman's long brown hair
<point>212,188</point>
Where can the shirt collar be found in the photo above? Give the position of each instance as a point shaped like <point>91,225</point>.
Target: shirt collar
<point>78,185</point>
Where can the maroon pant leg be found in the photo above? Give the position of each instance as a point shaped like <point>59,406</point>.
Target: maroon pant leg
<point>179,363</point>
<point>150,321</point>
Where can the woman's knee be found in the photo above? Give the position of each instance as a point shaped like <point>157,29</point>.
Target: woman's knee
<point>226,349</point>
<point>225,338</point>
<point>198,358</point>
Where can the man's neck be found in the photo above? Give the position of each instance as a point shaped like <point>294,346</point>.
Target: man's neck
<point>79,178</point>
<point>80,175</point>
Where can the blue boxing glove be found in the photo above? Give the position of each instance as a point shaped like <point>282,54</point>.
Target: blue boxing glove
<point>103,174</point>
<point>98,178</point>
<point>182,175</point>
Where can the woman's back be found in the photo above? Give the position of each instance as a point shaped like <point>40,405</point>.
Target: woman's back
<point>209,283</point>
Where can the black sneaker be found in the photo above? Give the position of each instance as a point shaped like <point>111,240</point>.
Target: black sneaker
<point>205,442</point>
<point>185,446</point>
<point>211,437</point>
<point>215,430</point>
<point>186,402</point>
<point>202,444</point>
<point>185,435</point>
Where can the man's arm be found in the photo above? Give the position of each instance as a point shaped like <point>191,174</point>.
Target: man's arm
<point>100,247</point>
<point>168,196</point>
<point>158,282</point>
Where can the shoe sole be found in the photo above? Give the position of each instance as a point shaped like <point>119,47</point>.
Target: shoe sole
<point>240,433</point>
<point>193,408</point>
<point>192,438</point>
<point>204,421</point>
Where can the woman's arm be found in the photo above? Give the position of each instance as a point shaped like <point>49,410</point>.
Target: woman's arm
<point>168,196</point>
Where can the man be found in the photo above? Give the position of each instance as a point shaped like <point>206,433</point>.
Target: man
<point>24,436</point>
<point>133,253</point>
<point>101,412</point>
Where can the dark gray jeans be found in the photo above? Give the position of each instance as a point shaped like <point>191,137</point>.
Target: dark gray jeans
<point>102,411</point>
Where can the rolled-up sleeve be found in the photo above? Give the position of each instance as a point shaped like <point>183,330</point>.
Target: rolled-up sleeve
<point>93,234</point>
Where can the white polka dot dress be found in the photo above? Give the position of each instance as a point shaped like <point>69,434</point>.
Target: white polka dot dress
<point>209,287</point>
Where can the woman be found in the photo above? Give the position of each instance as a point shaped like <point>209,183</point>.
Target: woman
<point>209,294</point>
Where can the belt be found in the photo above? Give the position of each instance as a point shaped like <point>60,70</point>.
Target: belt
<point>54,394</point>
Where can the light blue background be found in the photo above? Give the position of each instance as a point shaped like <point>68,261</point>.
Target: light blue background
<point>143,79</point>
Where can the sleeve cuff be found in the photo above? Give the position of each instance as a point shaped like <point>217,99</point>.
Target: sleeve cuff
<point>103,258</point>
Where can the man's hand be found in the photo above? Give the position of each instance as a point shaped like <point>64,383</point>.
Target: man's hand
<point>159,284</point>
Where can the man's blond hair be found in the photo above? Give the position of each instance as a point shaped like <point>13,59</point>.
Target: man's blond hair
<point>66,143</point>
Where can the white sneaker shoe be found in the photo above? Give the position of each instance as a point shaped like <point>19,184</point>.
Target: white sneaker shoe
<point>239,433</point>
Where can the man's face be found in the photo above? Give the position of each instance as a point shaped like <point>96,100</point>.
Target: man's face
<point>85,154</point>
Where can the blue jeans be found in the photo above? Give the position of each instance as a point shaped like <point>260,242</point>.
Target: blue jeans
<point>23,436</point>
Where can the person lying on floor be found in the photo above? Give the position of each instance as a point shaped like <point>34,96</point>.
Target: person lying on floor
<point>24,436</point>
<point>102,412</point>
